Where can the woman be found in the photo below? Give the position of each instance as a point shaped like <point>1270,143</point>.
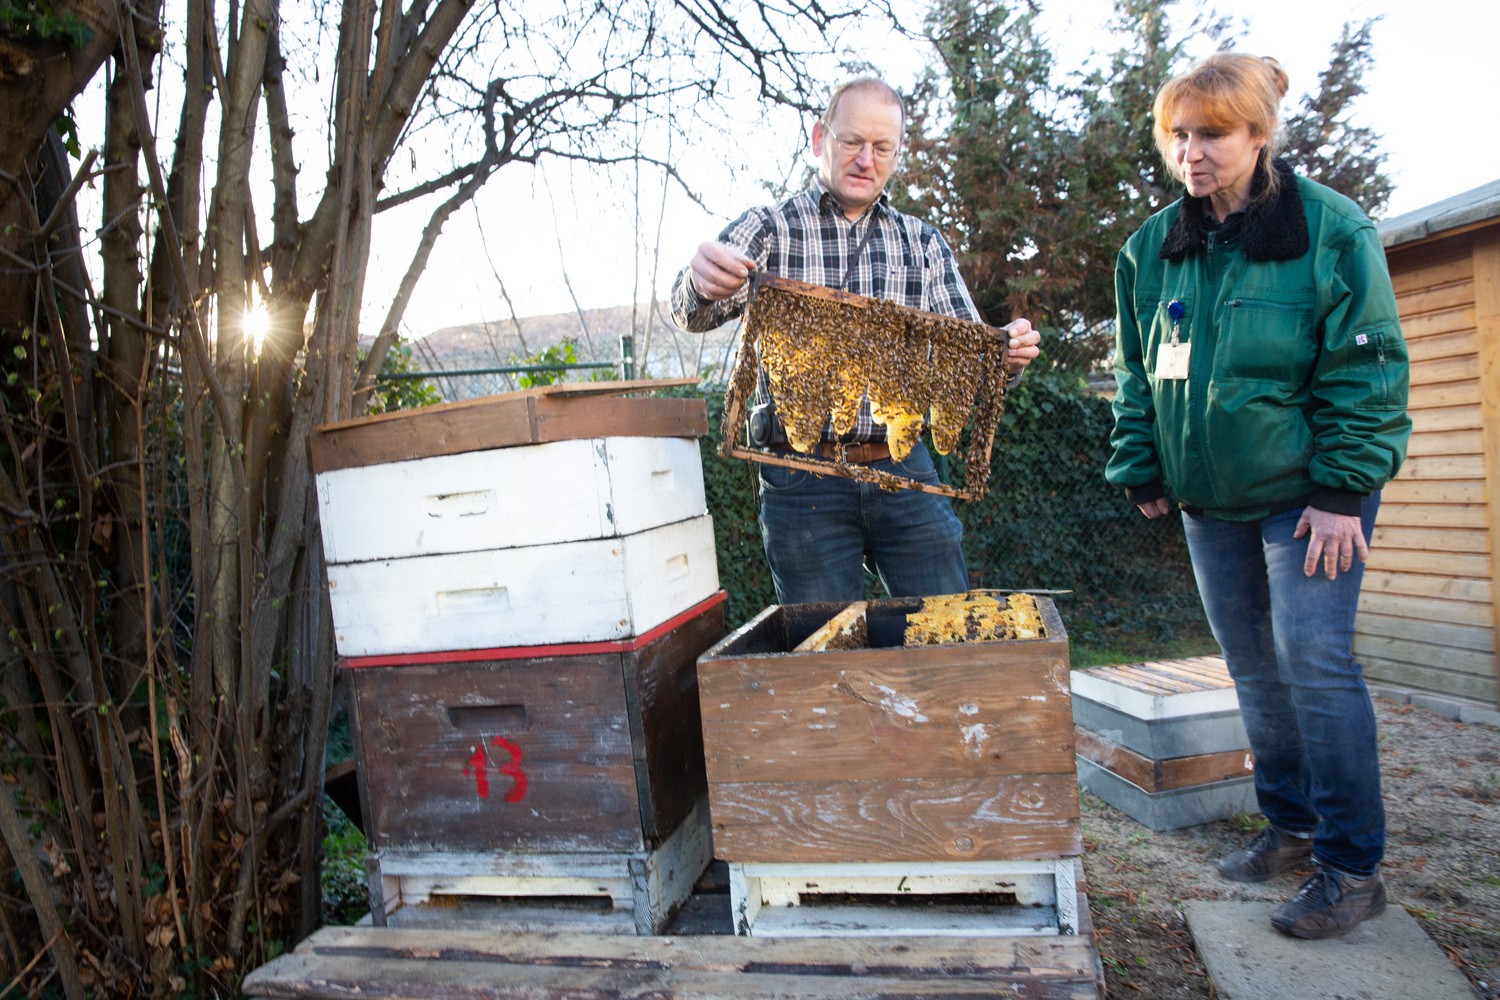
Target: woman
<point>1262,383</point>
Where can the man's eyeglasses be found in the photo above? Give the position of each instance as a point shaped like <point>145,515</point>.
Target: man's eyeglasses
<point>883,151</point>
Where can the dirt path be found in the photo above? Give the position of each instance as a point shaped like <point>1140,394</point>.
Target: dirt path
<point>1442,795</point>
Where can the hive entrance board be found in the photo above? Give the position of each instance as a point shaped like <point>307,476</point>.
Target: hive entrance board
<point>823,349</point>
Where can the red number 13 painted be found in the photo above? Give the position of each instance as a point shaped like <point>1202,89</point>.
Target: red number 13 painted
<point>511,769</point>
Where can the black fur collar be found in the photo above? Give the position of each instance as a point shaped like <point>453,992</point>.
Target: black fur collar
<point>1274,230</point>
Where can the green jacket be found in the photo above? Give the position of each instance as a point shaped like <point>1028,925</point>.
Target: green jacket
<point>1296,392</point>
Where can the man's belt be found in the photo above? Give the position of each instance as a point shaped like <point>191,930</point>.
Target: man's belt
<point>859,453</point>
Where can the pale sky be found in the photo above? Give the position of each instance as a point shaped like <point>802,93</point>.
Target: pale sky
<point>1429,96</point>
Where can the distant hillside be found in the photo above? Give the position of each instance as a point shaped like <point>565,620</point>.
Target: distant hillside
<point>595,334</point>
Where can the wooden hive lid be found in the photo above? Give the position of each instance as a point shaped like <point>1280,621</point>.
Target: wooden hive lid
<point>561,412</point>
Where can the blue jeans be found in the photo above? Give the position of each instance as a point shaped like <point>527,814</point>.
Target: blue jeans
<point>819,530</point>
<point>1288,640</point>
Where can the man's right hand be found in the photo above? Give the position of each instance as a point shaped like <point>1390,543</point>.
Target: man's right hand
<point>719,270</point>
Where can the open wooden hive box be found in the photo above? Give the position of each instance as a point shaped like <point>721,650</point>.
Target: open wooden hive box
<point>829,739</point>
<point>824,350</point>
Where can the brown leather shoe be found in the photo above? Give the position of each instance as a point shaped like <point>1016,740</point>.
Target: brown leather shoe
<point>1329,903</point>
<point>1268,855</point>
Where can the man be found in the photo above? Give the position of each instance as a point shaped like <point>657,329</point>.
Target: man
<point>842,233</point>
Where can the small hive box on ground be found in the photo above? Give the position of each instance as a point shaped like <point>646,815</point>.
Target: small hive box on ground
<point>845,782</point>
<point>520,588</point>
<point>1163,742</point>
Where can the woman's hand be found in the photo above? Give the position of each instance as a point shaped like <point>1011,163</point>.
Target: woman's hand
<point>1154,508</point>
<point>1336,538</point>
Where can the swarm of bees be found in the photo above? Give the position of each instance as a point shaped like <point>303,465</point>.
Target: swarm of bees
<point>973,617</point>
<point>825,352</point>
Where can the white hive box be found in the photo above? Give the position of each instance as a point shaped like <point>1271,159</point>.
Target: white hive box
<point>502,498</point>
<point>566,592</point>
<point>561,515</point>
<point>1163,742</point>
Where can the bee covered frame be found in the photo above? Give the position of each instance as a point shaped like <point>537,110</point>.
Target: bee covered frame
<point>884,325</point>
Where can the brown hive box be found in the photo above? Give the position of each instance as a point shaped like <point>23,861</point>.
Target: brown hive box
<point>959,752</point>
<point>571,750</point>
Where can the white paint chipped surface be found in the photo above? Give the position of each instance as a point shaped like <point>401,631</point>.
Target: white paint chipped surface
<point>896,703</point>
<point>975,737</point>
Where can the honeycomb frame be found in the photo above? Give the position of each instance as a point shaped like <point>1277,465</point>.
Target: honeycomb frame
<point>963,383</point>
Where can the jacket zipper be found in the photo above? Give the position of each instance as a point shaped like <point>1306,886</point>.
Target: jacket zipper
<point>1264,304</point>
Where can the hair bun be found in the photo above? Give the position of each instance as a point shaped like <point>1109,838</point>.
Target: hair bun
<point>1278,75</point>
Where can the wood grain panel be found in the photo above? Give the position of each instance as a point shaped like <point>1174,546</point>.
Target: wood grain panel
<point>534,416</point>
<point>666,734</point>
<point>1434,491</point>
<point>1443,467</point>
<point>1440,588</point>
<point>1424,608</point>
<point>1162,775</point>
<point>1420,327</point>
<point>434,743</point>
<point>1435,632</point>
<point>1438,563</point>
<point>1436,298</point>
<point>1445,418</point>
<point>1432,515</point>
<point>448,962</point>
<point>1466,661</point>
<point>1443,394</point>
<point>914,819</point>
<point>1427,678</point>
<point>966,710</point>
<point>1487,311</point>
<point>1419,269</point>
<point>1440,346</point>
<point>1462,442</point>
<point>1431,539</point>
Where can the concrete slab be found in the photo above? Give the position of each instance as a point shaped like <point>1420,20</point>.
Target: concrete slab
<point>1388,958</point>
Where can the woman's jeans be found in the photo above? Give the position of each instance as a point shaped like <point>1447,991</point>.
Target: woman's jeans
<point>819,530</point>
<point>1288,640</point>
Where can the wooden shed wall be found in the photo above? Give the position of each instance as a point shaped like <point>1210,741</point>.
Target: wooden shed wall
<point>1427,616</point>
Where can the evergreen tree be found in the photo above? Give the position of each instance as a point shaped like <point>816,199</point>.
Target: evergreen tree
<point>1037,182</point>
<point>1320,140</point>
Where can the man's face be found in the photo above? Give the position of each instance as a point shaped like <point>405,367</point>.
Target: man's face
<point>868,118</point>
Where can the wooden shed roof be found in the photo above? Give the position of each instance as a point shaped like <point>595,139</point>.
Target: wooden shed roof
<point>1461,211</point>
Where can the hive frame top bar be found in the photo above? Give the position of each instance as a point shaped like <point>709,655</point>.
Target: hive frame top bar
<point>985,416</point>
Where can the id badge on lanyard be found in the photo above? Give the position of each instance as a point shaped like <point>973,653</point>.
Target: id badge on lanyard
<point>1173,356</point>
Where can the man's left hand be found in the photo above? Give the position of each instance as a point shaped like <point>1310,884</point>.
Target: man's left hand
<point>1024,345</point>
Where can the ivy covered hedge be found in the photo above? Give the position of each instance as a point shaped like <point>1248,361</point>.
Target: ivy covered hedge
<point>1048,522</point>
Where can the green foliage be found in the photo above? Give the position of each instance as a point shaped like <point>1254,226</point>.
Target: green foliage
<point>392,394</point>
<point>345,893</point>
<point>565,353</point>
<point>730,485</point>
<point>35,22</point>
<point>1051,522</point>
<point>553,365</point>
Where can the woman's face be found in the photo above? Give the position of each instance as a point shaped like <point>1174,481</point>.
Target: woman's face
<point>1216,163</point>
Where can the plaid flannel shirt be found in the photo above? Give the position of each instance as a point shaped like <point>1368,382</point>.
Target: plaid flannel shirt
<point>807,238</point>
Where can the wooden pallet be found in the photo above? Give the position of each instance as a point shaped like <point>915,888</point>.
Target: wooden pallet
<point>400,964</point>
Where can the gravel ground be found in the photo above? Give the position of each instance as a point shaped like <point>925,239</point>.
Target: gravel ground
<point>1442,795</point>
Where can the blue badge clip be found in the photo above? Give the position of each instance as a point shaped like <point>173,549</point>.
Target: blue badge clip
<point>1175,309</point>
